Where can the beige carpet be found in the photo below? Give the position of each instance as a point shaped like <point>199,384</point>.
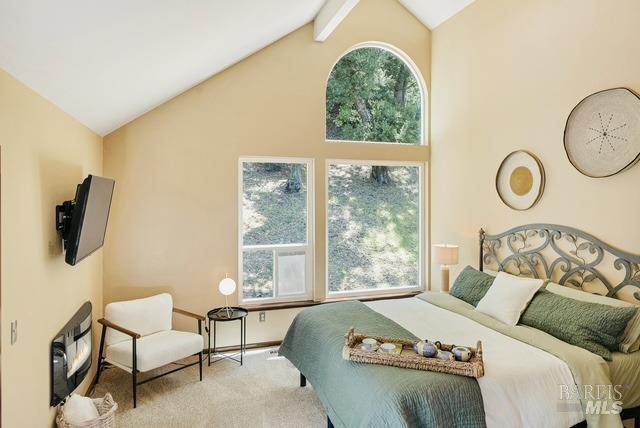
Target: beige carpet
<point>264,392</point>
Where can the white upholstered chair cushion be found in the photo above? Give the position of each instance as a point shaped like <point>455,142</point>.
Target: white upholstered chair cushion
<point>143,316</point>
<point>155,350</point>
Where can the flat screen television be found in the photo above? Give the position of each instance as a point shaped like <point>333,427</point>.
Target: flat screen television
<point>83,221</point>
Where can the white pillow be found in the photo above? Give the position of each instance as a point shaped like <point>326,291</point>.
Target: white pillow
<point>491,272</point>
<point>508,297</point>
<point>79,409</point>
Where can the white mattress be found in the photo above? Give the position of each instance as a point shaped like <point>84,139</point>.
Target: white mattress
<point>520,387</point>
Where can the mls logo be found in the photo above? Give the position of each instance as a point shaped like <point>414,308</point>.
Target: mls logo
<point>603,407</point>
<point>596,399</point>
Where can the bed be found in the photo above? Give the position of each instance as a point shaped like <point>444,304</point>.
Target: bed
<point>511,393</point>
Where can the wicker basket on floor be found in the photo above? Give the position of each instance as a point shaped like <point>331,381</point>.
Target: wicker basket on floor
<point>408,359</point>
<point>106,409</point>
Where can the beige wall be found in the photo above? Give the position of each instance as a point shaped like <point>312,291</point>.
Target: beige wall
<point>502,76</point>
<point>174,218</point>
<point>505,75</point>
<point>45,154</point>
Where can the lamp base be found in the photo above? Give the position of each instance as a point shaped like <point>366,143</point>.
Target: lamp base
<point>444,282</point>
<point>226,302</point>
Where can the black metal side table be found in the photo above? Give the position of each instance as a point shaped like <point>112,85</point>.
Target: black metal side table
<point>232,313</point>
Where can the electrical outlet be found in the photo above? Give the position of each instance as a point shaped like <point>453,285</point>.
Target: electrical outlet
<point>14,331</point>
<point>263,316</point>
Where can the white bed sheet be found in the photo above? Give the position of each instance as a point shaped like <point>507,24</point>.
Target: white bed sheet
<point>521,385</point>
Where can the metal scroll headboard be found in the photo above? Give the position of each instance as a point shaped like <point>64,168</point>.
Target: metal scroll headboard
<point>564,255</point>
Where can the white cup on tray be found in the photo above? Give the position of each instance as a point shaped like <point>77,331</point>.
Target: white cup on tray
<point>387,348</point>
<point>369,344</point>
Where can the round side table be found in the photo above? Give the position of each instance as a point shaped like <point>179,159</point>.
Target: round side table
<point>232,313</point>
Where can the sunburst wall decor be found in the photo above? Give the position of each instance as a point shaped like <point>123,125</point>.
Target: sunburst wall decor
<point>602,134</point>
<point>520,180</point>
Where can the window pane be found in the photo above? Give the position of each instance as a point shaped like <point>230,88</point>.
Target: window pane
<point>274,222</point>
<point>372,96</point>
<point>373,227</point>
<point>257,274</point>
<point>291,273</point>
<point>274,203</point>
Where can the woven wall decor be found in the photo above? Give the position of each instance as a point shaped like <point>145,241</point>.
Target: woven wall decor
<point>520,180</point>
<point>602,134</point>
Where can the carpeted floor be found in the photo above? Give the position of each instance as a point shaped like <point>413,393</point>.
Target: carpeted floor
<point>264,392</point>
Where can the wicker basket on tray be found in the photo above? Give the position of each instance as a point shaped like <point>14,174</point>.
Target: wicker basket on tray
<point>106,409</point>
<point>409,359</point>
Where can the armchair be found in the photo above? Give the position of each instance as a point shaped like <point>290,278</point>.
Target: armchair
<point>137,336</point>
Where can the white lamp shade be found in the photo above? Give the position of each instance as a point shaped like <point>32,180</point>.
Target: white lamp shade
<point>227,286</point>
<point>446,255</point>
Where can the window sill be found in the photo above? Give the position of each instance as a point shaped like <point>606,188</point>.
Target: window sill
<point>306,303</point>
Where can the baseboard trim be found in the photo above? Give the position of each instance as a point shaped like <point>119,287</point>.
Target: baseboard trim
<point>92,385</point>
<point>248,346</point>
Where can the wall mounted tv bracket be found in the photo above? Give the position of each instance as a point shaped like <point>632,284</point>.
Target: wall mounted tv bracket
<point>64,213</point>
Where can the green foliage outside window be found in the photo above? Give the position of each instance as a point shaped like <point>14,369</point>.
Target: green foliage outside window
<point>372,96</point>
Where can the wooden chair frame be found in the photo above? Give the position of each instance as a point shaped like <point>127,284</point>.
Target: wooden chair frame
<point>134,337</point>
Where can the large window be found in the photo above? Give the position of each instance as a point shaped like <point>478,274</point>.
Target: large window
<point>374,226</point>
<point>374,96</point>
<point>276,229</point>
<point>374,209</point>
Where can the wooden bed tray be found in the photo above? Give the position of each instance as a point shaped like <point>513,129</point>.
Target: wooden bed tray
<point>408,359</point>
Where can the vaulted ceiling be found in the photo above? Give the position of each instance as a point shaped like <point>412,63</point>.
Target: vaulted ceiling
<point>434,12</point>
<point>107,62</point>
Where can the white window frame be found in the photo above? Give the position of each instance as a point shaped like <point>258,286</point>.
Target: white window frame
<point>421,230</point>
<point>415,71</point>
<point>307,248</point>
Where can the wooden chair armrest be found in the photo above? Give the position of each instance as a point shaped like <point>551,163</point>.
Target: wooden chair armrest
<point>188,314</point>
<point>107,323</point>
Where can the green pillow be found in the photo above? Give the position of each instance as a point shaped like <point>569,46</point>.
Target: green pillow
<point>471,285</point>
<point>593,326</point>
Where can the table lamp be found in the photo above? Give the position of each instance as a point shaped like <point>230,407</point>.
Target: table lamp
<point>227,287</point>
<point>445,255</point>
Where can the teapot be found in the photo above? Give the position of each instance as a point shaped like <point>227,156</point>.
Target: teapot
<point>427,348</point>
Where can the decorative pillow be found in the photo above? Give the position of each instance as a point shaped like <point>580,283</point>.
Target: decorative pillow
<point>595,327</point>
<point>631,338</point>
<point>471,285</point>
<point>508,297</point>
<point>493,273</point>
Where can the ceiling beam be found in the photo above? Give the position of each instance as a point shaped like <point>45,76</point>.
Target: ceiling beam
<point>330,16</point>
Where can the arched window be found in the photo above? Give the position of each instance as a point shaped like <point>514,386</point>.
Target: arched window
<point>375,222</point>
<point>374,95</point>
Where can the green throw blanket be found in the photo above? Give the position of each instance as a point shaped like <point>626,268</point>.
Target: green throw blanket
<point>368,395</point>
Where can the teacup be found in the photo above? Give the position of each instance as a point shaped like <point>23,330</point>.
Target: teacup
<point>461,353</point>
<point>369,344</point>
<point>387,347</point>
